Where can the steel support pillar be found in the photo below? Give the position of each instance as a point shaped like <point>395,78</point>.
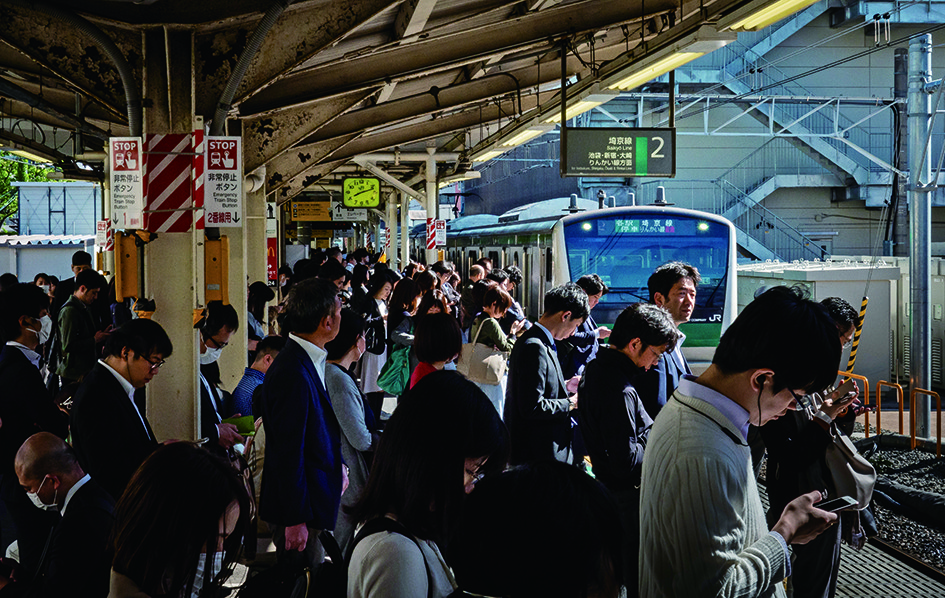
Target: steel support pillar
<point>404,235</point>
<point>432,197</point>
<point>390,220</point>
<point>920,231</point>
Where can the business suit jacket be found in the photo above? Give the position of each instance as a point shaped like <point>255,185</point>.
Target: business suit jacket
<point>584,345</point>
<point>209,419</point>
<point>107,434</point>
<point>76,563</point>
<point>659,383</point>
<point>536,401</point>
<point>302,478</point>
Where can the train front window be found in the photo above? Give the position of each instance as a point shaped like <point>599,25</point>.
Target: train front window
<point>625,249</point>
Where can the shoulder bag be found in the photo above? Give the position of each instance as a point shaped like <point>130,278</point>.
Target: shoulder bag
<point>395,375</point>
<point>852,474</point>
<point>481,363</point>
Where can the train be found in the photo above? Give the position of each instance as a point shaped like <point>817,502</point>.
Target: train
<point>559,240</point>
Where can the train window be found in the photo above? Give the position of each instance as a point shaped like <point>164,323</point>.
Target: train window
<point>494,256</point>
<point>549,266</point>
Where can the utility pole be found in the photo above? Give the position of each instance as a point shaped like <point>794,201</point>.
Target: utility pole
<point>900,217</point>
<point>919,109</point>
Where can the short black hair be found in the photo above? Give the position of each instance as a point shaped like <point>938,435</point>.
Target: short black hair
<point>308,303</point>
<point>144,337</point>
<point>41,275</point>
<point>332,251</point>
<point>22,299</point>
<point>479,290</point>
<point>592,284</point>
<point>359,275</point>
<point>352,326</point>
<point>515,275</point>
<point>332,270</point>
<point>651,324</point>
<point>663,279</point>
<point>426,281</point>
<point>81,258</point>
<point>441,267</point>
<point>271,345</point>
<point>90,279</point>
<point>504,545</point>
<point>841,312</point>
<point>787,332</point>
<point>219,315</point>
<point>567,297</point>
<point>8,280</point>
<point>498,275</point>
<point>437,338</point>
<point>377,282</point>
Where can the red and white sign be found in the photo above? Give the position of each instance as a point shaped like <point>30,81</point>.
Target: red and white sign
<point>431,233</point>
<point>126,182</point>
<point>387,240</point>
<point>170,187</point>
<point>440,233</point>
<point>223,189</point>
<point>272,261</point>
<point>103,236</point>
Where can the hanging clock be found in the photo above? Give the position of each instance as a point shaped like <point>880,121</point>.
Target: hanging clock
<point>359,192</point>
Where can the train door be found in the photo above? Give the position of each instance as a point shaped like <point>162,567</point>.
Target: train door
<point>533,282</point>
<point>514,258</point>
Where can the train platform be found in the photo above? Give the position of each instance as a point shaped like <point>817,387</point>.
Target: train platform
<point>872,573</point>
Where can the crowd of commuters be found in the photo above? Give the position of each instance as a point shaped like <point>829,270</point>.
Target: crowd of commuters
<point>672,507</point>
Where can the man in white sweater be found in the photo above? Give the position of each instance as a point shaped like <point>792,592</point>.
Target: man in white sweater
<point>702,526</point>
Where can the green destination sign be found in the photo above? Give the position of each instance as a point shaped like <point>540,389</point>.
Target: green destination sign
<point>619,152</point>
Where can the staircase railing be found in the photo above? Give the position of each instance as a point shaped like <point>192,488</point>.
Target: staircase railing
<point>719,196</point>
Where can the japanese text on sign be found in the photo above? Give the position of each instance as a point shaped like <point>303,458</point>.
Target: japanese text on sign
<point>223,195</point>
<point>126,182</point>
<point>620,152</point>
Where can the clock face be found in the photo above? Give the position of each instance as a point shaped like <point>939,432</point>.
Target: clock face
<point>361,193</point>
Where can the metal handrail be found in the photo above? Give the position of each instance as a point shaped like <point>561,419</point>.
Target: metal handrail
<point>930,393</point>
<point>879,408</point>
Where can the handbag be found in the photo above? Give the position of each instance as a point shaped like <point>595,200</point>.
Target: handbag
<point>290,580</point>
<point>852,474</point>
<point>395,375</point>
<point>374,340</point>
<point>480,363</point>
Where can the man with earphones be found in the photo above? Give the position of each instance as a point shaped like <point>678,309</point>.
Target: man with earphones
<point>702,526</point>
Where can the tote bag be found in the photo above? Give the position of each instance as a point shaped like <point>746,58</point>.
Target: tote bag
<point>852,474</point>
<point>480,363</point>
<point>395,375</point>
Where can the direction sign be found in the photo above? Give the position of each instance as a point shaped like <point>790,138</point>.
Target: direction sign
<point>223,186</point>
<point>311,211</point>
<point>339,213</point>
<point>619,152</point>
<point>126,182</point>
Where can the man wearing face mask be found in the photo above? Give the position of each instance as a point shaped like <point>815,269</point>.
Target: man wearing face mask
<point>25,408</point>
<point>110,433</point>
<point>216,330</point>
<point>75,562</point>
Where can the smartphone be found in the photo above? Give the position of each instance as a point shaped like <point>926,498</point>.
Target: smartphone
<point>845,388</point>
<point>837,504</point>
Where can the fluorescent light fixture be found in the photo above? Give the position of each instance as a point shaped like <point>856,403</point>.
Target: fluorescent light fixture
<point>28,155</point>
<point>527,135</point>
<point>706,39</point>
<point>583,105</point>
<point>772,13</point>
<point>487,155</point>
<point>460,176</point>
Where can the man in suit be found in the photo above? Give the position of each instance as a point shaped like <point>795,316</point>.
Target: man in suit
<point>110,434</point>
<point>302,480</point>
<point>25,409</point>
<point>673,287</point>
<point>76,561</point>
<point>584,342</point>
<point>537,401</point>
<point>78,333</point>
<point>216,330</point>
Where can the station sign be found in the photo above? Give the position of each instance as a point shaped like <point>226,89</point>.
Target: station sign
<point>440,232</point>
<point>272,245</point>
<point>104,240</point>
<point>126,182</point>
<point>223,186</point>
<point>311,211</point>
<point>619,152</point>
<point>339,213</point>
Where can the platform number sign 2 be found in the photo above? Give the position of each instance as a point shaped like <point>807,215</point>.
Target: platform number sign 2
<point>623,152</point>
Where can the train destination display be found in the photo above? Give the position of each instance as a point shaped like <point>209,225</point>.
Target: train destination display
<point>619,152</point>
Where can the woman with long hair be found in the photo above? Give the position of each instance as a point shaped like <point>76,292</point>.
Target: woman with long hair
<point>400,320</point>
<point>374,310</point>
<point>178,525</point>
<point>443,437</point>
<point>486,330</point>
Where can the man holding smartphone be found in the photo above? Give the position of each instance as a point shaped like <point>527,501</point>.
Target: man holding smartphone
<point>796,445</point>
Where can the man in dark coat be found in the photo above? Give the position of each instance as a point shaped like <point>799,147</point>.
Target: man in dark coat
<point>25,409</point>
<point>537,401</point>
<point>302,480</point>
<point>613,421</point>
<point>76,562</point>
<point>110,433</point>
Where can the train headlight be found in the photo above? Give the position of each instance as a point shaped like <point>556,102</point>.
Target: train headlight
<point>586,226</point>
<point>702,226</point>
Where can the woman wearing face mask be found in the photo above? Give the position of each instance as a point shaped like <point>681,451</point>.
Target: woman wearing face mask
<point>179,527</point>
<point>354,416</point>
<point>25,407</point>
<point>444,436</point>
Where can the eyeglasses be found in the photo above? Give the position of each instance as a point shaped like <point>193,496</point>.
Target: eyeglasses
<point>155,365</point>
<point>216,344</point>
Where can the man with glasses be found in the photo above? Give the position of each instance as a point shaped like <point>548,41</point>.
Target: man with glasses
<point>613,421</point>
<point>110,432</point>
<point>702,526</point>
<point>216,330</point>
